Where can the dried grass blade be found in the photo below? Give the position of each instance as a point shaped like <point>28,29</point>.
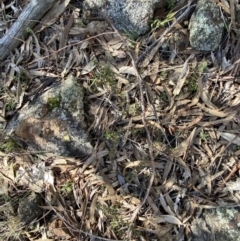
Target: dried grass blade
<point>165,206</point>
<point>68,65</point>
<point>153,206</point>
<point>183,76</point>
<point>42,73</point>
<point>191,124</point>
<point>232,10</point>
<point>167,169</point>
<point>212,111</point>
<point>63,39</point>
<point>166,219</point>
<point>93,158</point>
<point>53,14</point>
<point>224,121</point>
<point>127,70</point>
<point>230,137</point>
<point>107,182</point>
<point>182,148</point>
<point>203,95</point>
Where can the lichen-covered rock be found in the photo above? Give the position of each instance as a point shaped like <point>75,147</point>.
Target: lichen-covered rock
<point>29,208</point>
<point>132,16</point>
<point>55,121</point>
<point>222,224</point>
<point>206,26</point>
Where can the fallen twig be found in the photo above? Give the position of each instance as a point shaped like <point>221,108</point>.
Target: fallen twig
<point>235,168</point>
<point>149,140</point>
<point>27,19</point>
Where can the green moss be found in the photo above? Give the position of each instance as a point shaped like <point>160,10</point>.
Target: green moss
<point>112,136</point>
<point>23,76</point>
<point>53,102</point>
<point>202,67</point>
<point>192,85</point>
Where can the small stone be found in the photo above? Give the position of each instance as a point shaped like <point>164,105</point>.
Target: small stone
<point>206,26</point>
<point>29,208</point>
<point>220,224</point>
<point>132,16</point>
<point>55,122</point>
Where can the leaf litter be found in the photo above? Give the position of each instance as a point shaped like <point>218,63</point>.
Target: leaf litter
<point>165,148</point>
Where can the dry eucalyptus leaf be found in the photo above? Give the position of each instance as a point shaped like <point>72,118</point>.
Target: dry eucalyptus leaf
<point>127,70</point>
<point>166,219</point>
<point>88,68</point>
<point>230,137</point>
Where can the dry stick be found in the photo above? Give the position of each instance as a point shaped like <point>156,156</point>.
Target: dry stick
<point>149,140</point>
<point>156,45</point>
<point>27,19</point>
<point>235,168</point>
<point>149,99</point>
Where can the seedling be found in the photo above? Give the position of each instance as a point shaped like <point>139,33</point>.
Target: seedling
<point>9,145</point>
<point>203,136</point>
<point>160,23</point>
<point>66,189</point>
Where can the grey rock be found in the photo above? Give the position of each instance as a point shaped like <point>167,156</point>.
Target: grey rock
<point>222,224</point>
<point>29,208</point>
<point>54,122</point>
<point>206,26</point>
<point>131,16</point>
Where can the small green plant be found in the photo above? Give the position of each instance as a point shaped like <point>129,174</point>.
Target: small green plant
<point>202,66</point>
<point>160,23</point>
<point>67,188</point>
<point>203,135</point>
<point>133,109</point>
<point>170,4</point>
<point>9,145</point>
<point>80,23</point>
<point>10,105</point>
<point>111,136</point>
<point>163,96</point>
<point>23,76</point>
<point>29,30</point>
<point>132,35</point>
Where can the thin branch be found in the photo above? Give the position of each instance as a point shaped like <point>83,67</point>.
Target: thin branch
<point>149,140</point>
